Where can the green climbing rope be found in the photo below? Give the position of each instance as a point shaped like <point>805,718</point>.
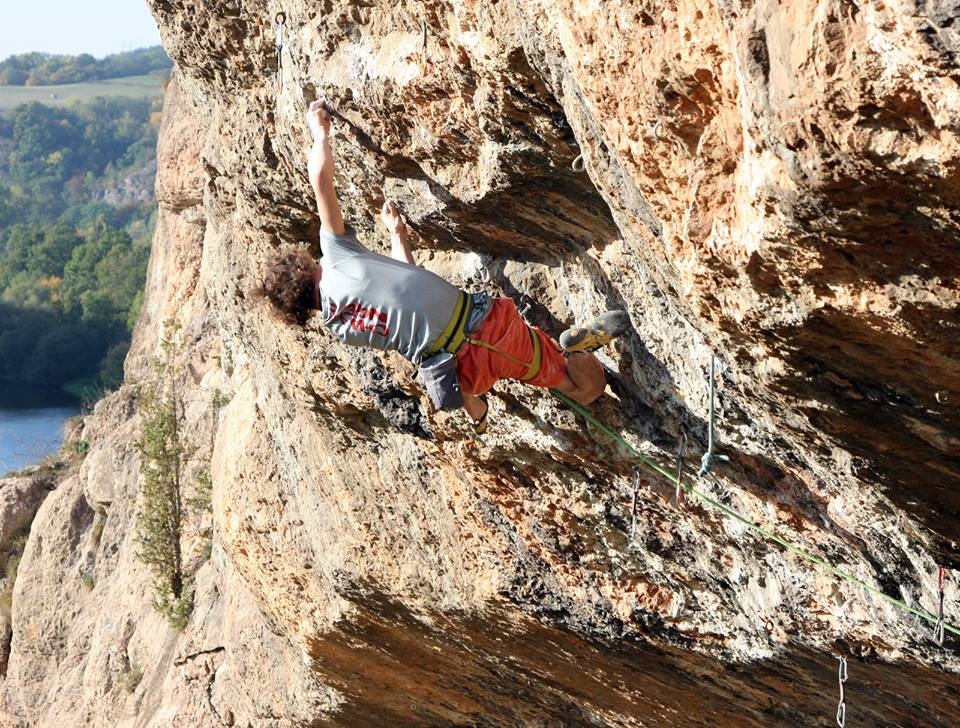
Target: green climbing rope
<point>766,533</point>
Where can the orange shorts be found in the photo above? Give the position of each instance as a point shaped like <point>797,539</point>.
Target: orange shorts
<point>479,368</point>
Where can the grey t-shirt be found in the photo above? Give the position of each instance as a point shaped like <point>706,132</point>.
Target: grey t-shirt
<point>368,299</point>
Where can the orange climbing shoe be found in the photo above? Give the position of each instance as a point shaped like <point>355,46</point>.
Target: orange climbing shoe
<point>598,332</point>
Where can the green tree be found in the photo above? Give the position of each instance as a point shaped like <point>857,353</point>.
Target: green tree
<point>18,336</point>
<point>49,256</point>
<point>55,157</point>
<point>164,452</point>
<point>102,278</point>
<point>111,366</point>
<point>40,69</point>
<point>28,291</point>
<point>71,277</point>
<point>31,253</point>
<point>17,244</point>
<point>6,213</point>
<point>62,352</point>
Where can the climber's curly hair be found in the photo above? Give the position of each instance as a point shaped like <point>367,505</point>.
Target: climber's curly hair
<point>288,283</point>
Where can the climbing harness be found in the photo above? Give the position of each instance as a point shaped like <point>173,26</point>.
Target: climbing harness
<point>578,164</point>
<point>842,706</point>
<point>938,627</point>
<point>680,454</point>
<point>533,366</point>
<point>455,335</point>
<point>633,504</point>
<point>766,533</point>
<point>281,19</point>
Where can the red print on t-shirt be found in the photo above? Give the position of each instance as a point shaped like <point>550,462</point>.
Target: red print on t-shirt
<point>363,318</point>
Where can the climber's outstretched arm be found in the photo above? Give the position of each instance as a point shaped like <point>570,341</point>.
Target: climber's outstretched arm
<point>320,169</point>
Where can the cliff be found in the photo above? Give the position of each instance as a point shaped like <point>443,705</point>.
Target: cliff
<point>775,185</point>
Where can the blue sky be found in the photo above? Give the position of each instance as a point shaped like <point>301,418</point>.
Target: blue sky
<point>97,27</point>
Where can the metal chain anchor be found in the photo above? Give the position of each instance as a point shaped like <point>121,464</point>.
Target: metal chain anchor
<point>281,20</point>
<point>842,706</point>
<point>938,627</point>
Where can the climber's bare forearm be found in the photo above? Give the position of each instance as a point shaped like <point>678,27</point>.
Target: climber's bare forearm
<point>400,247</point>
<point>321,179</point>
<point>320,161</point>
<point>320,169</point>
<point>399,234</point>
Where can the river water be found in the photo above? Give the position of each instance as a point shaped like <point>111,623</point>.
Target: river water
<point>32,422</point>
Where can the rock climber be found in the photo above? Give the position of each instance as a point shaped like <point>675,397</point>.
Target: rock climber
<point>389,303</point>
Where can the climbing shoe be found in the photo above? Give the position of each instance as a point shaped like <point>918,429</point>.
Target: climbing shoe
<point>598,332</point>
<point>480,426</point>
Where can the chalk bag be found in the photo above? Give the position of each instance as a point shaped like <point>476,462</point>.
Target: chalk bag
<point>439,374</point>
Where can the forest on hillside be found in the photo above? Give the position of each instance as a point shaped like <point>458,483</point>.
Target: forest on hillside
<point>45,69</point>
<point>76,219</point>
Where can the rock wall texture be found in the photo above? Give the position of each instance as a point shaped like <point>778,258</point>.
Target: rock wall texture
<point>776,184</point>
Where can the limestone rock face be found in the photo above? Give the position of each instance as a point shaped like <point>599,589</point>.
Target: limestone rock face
<point>773,184</point>
<point>19,499</point>
<point>137,187</point>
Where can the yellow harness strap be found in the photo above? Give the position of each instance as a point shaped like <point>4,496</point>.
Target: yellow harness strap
<point>533,367</point>
<point>455,332</point>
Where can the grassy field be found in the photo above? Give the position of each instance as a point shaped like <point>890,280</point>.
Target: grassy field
<point>132,86</point>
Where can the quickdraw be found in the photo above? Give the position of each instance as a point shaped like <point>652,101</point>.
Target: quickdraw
<point>938,626</point>
<point>280,19</point>
<point>842,706</point>
<point>707,460</point>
